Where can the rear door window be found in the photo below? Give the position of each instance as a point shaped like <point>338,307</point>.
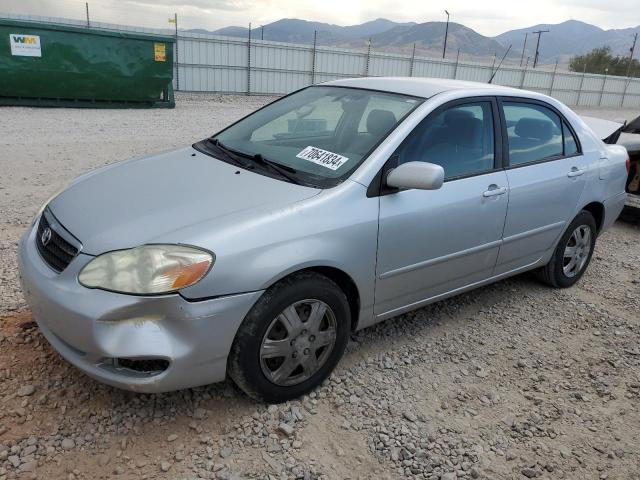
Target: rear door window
<point>535,133</point>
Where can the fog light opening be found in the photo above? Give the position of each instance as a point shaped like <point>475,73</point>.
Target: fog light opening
<point>149,366</point>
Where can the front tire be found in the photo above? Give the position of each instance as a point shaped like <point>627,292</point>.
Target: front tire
<point>291,339</point>
<point>573,253</point>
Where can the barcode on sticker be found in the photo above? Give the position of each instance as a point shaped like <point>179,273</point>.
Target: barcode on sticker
<point>322,157</point>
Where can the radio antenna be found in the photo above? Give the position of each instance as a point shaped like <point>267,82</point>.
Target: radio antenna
<point>500,64</point>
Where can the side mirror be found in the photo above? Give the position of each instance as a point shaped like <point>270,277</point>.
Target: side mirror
<point>419,175</point>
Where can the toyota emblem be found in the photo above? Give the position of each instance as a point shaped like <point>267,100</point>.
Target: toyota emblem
<point>46,236</point>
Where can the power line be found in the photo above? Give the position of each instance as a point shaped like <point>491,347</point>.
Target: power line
<point>535,58</point>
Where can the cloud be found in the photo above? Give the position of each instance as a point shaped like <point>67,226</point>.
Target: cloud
<point>208,6</point>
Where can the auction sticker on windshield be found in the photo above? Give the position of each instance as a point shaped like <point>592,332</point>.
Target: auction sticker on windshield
<point>322,157</point>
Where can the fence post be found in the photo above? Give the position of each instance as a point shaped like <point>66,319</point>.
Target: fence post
<point>455,70</point>
<point>413,59</point>
<point>553,79</point>
<point>313,57</point>
<point>624,92</point>
<point>175,21</point>
<point>524,73</point>
<point>249,62</point>
<point>604,82</point>
<point>366,66</point>
<point>584,71</point>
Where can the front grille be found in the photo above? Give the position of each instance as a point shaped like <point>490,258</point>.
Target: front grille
<point>57,252</point>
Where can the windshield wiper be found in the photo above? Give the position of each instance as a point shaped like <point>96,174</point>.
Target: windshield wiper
<point>229,151</point>
<point>283,170</point>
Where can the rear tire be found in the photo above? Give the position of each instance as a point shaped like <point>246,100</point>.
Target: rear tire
<point>573,253</point>
<point>291,339</point>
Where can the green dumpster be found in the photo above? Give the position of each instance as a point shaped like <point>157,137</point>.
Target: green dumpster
<point>44,64</point>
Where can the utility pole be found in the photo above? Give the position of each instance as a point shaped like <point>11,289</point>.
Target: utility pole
<point>261,32</point>
<point>446,34</point>
<point>86,4</point>
<point>524,47</point>
<point>535,58</point>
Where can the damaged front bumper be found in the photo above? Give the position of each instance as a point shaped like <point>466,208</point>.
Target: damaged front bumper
<point>140,343</point>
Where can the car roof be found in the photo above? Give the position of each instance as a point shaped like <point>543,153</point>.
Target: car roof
<point>420,87</point>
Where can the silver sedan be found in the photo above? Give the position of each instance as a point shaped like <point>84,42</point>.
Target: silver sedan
<point>254,253</point>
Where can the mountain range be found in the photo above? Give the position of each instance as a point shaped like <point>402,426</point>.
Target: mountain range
<point>563,40</point>
<point>570,38</point>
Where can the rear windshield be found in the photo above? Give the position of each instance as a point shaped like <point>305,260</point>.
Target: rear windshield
<point>320,132</point>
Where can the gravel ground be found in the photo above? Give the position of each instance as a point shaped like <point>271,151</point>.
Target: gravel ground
<point>511,381</point>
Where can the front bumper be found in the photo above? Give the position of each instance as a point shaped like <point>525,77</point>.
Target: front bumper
<point>93,329</point>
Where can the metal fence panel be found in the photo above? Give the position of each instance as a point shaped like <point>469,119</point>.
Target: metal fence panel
<point>474,73</point>
<point>389,65</point>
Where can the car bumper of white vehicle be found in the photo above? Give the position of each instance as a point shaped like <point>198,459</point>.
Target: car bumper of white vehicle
<point>633,201</point>
<point>144,344</point>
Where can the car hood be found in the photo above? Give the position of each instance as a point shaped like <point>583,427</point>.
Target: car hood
<point>131,203</point>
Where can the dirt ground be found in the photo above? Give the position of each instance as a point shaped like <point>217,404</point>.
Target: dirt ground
<point>511,381</point>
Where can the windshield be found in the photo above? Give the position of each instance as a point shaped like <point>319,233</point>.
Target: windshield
<point>320,133</point>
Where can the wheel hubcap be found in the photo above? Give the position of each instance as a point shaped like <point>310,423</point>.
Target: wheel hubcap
<point>576,252</point>
<point>298,342</point>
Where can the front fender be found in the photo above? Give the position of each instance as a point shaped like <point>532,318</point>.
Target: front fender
<point>337,228</point>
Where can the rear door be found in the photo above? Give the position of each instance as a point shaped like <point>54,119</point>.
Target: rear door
<point>432,242</point>
<point>546,171</point>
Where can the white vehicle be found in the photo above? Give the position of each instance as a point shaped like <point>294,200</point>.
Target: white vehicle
<point>624,134</point>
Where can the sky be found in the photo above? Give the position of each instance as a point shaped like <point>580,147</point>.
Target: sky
<point>489,17</point>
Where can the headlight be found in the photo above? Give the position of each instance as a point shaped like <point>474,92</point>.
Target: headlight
<point>149,269</point>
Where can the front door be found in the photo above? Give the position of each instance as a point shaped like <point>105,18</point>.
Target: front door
<point>434,242</point>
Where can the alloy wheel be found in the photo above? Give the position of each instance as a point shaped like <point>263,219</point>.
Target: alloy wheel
<point>576,252</point>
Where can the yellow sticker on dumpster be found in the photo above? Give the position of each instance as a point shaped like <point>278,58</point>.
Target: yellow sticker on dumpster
<point>160,51</point>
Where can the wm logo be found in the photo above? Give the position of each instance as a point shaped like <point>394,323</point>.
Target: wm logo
<point>27,40</point>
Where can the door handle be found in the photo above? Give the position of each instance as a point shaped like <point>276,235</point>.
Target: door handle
<point>575,172</point>
<point>494,190</point>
